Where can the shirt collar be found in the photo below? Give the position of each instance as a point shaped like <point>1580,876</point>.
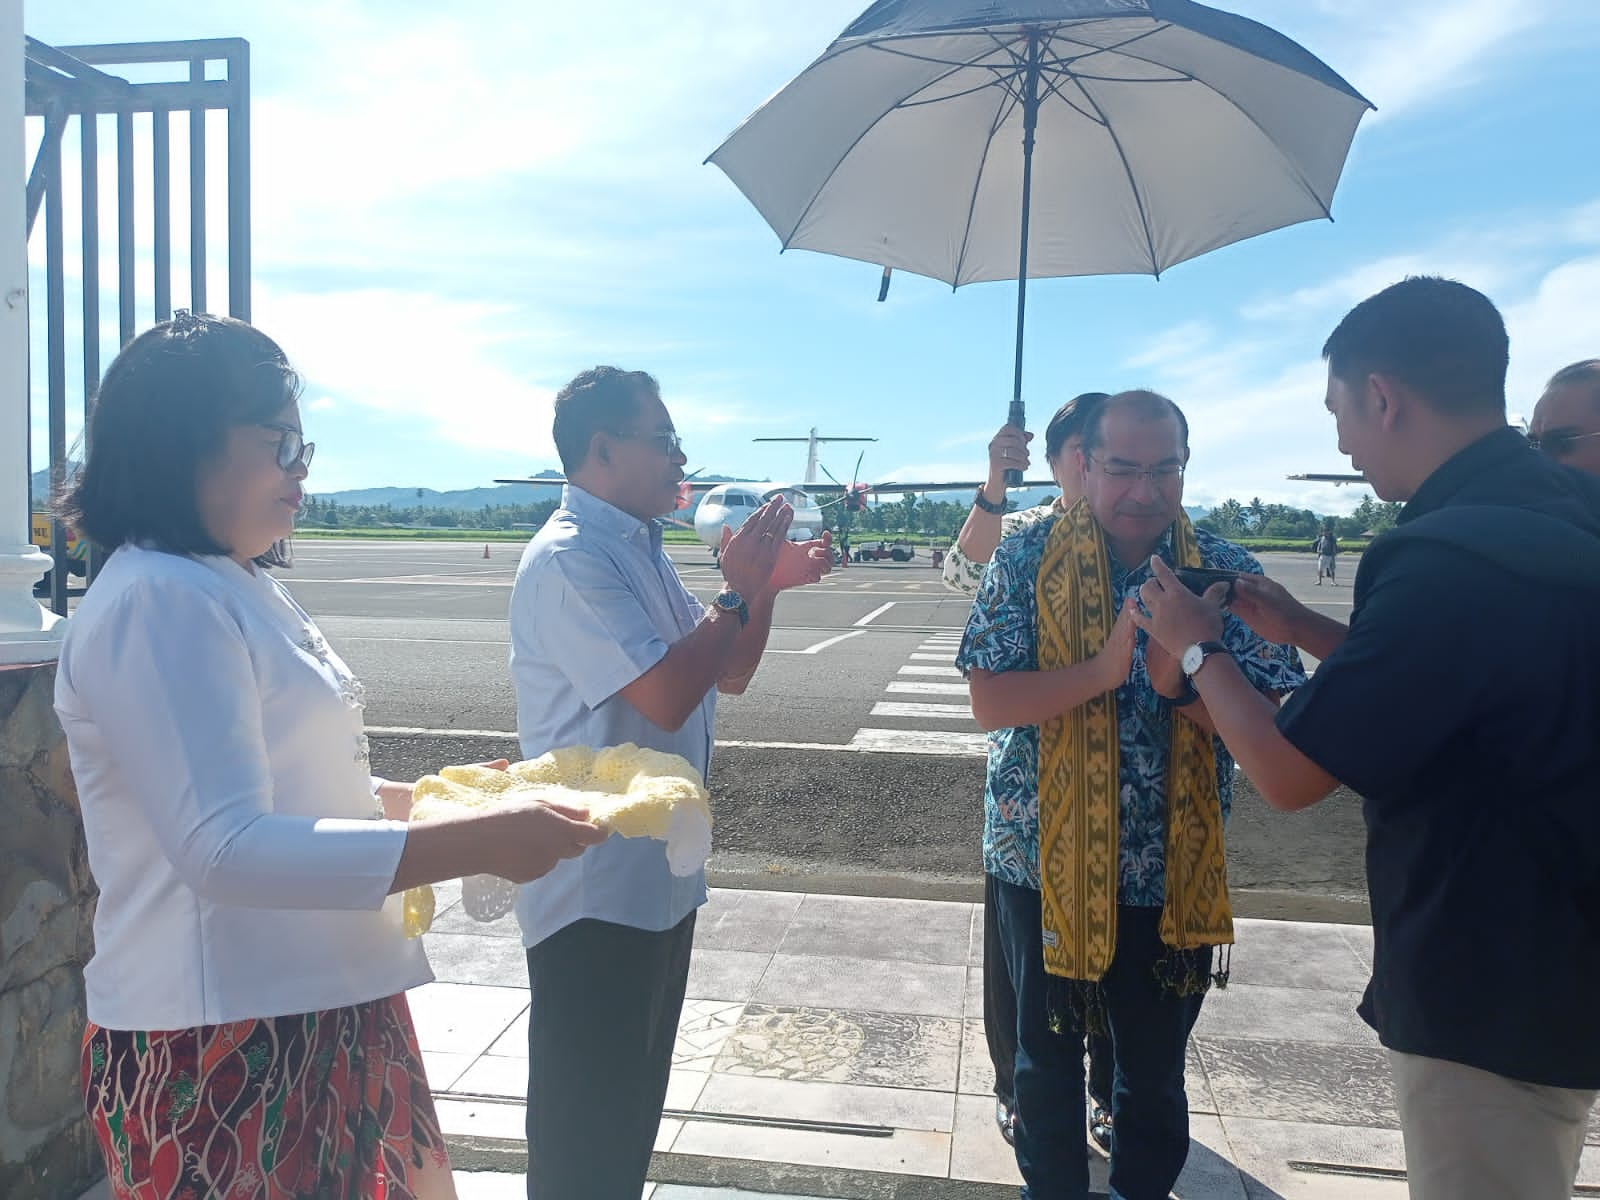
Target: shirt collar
<point>1163,548</point>
<point>1485,454</point>
<point>607,517</point>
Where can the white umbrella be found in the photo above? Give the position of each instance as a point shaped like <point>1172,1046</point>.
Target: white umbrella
<point>1113,136</point>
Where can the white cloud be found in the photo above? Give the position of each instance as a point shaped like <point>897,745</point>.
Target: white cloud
<point>421,361</point>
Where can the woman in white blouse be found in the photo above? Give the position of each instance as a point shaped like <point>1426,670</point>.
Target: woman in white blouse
<point>248,1030</point>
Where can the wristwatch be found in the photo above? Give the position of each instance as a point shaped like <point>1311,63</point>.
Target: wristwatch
<point>987,505</point>
<point>729,600</point>
<point>1189,694</point>
<point>1195,656</point>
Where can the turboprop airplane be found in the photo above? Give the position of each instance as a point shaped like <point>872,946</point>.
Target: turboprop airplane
<point>726,505</point>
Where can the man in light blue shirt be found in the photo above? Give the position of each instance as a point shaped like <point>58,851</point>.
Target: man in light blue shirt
<point>608,646</point>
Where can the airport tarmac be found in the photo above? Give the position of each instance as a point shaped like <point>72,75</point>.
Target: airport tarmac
<point>852,764</point>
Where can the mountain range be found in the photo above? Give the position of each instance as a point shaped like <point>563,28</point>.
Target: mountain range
<point>473,499</point>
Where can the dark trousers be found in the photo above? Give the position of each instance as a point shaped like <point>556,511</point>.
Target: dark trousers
<point>1149,1030</point>
<point>604,1019</point>
<point>1000,1013</point>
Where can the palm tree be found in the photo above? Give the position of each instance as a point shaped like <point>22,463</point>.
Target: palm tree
<point>1258,512</point>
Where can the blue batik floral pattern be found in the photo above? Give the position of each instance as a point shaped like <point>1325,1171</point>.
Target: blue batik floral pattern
<point>1001,636</point>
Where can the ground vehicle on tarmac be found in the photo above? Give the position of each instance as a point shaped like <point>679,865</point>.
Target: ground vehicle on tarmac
<point>879,551</point>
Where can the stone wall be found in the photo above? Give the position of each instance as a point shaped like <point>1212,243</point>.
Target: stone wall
<point>46,908</point>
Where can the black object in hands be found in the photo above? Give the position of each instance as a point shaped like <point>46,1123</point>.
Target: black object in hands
<point>1198,579</point>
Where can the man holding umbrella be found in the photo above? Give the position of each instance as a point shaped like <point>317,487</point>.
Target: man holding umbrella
<point>1110,790</point>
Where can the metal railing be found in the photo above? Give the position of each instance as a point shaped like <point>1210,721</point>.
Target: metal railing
<point>66,86</point>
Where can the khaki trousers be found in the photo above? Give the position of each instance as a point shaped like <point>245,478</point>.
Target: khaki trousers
<point>1474,1135</point>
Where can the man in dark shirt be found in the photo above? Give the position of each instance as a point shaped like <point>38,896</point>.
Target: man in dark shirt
<point>1463,704</point>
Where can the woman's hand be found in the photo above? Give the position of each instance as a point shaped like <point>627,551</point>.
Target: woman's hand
<point>530,838</point>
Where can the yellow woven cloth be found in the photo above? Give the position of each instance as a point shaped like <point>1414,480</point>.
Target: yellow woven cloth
<point>1079,818</point>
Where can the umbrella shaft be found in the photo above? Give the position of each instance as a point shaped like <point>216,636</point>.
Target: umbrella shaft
<point>1030,122</point>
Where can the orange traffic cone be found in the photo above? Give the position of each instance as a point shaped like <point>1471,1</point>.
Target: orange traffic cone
<point>486,549</point>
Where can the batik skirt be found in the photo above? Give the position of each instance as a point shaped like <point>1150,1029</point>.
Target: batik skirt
<point>330,1104</point>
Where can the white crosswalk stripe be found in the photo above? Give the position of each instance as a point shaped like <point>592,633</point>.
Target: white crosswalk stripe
<point>925,687</point>
<point>923,741</point>
<point>937,712</point>
<point>918,669</point>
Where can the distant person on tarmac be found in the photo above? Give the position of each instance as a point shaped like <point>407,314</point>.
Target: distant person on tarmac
<point>1106,798</point>
<point>987,525</point>
<point>1566,421</point>
<point>1327,548</point>
<point>1461,703</point>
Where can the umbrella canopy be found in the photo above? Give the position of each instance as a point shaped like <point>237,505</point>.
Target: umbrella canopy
<point>1164,129</point>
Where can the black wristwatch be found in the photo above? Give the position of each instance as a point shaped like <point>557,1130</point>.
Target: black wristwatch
<point>987,505</point>
<point>729,600</point>
<point>1189,694</point>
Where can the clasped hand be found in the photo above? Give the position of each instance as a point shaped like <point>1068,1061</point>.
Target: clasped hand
<point>760,560</point>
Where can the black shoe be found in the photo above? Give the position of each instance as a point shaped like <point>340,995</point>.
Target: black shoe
<point>1100,1127</point>
<point>1005,1116</point>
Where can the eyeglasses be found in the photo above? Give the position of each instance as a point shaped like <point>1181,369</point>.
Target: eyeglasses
<point>1162,476</point>
<point>666,441</point>
<point>293,449</point>
<point>1559,445</point>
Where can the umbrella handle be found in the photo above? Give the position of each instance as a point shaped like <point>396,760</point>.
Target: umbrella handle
<point>1018,418</point>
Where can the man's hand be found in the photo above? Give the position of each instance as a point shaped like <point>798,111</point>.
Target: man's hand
<point>1267,607</point>
<point>1115,659</point>
<point>749,556</point>
<point>800,563</point>
<point>1008,451</point>
<point>1178,618</point>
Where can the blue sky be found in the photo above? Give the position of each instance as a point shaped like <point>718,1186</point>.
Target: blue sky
<point>459,207</point>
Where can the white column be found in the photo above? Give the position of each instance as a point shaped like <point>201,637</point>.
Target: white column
<point>28,632</point>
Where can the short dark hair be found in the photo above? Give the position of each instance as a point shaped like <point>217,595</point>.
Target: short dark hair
<point>1070,420</point>
<point>1443,339</point>
<point>601,399</point>
<point>1143,404</point>
<point>165,406</point>
<point>1585,372</point>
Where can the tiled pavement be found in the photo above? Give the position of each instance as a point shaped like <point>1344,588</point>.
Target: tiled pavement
<point>833,1046</point>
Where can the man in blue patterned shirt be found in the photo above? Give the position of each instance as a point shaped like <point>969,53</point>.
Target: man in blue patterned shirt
<point>1134,453</point>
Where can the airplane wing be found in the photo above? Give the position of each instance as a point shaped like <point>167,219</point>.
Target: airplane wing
<point>1336,480</point>
<point>697,485</point>
<point>947,485</point>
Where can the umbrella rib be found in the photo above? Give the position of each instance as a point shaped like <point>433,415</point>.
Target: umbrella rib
<point>868,128</point>
<point>1007,107</point>
<point>1294,171</point>
<point>998,81</point>
<point>1054,89</point>
<point>1133,185</point>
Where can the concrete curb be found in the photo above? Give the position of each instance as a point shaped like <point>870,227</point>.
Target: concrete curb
<point>511,1157</point>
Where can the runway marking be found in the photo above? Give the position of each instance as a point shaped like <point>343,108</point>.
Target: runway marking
<point>413,581</point>
<point>866,741</point>
<point>368,637</point>
<point>947,672</point>
<point>418,731</point>
<point>921,687</point>
<point>821,646</point>
<point>938,658</point>
<point>875,613</point>
<point>937,712</point>
<point>920,741</point>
